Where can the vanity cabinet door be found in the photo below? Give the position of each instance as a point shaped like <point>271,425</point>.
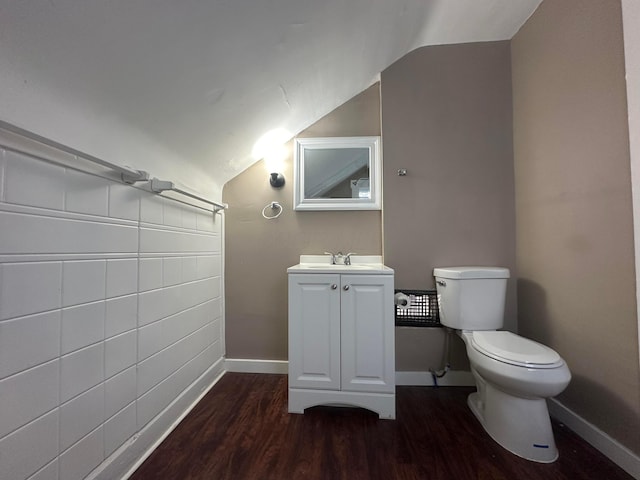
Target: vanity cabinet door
<point>314,331</point>
<point>368,363</point>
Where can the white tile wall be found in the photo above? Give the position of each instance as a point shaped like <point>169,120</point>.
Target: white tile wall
<point>27,395</point>
<point>119,428</point>
<point>26,341</point>
<point>158,335</point>
<point>86,194</point>
<point>156,240</point>
<point>3,168</point>
<point>206,266</point>
<point>190,218</point>
<point>172,215</point>
<point>27,288</point>
<point>120,390</point>
<point>151,209</point>
<point>78,461</point>
<point>81,370</point>
<point>110,308</point>
<point>81,415</point>
<point>124,202</point>
<point>157,304</point>
<point>121,315</point>
<point>82,325</point>
<point>28,449</point>
<point>83,281</point>
<point>205,223</point>
<point>34,183</point>
<point>150,274</point>
<point>48,472</point>
<point>189,269</point>
<point>156,368</point>
<point>153,305</point>
<point>171,271</point>
<point>122,277</point>
<point>39,232</point>
<point>120,353</point>
<point>152,402</point>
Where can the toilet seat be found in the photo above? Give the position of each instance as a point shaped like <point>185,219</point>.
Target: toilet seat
<point>509,348</point>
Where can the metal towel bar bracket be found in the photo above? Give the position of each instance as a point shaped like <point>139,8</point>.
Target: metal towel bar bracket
<point>159,186</point>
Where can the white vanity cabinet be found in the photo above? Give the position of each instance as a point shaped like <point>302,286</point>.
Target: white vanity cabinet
<point>341,338</point>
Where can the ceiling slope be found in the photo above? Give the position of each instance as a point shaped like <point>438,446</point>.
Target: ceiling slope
<point>186,88</point>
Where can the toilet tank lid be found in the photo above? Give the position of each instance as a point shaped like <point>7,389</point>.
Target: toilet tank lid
<point>471,272</point>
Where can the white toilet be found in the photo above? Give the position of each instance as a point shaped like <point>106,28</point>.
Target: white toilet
<point>514,375</point>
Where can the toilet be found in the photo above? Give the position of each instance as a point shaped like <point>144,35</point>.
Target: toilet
<point>513,375</point>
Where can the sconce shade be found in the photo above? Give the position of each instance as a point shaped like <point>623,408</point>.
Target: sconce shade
<point>276,180</point>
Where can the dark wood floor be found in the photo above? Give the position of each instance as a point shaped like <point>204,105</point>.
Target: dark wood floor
<point>241,430</point>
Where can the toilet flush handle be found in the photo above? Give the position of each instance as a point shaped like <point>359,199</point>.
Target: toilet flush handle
<point>442,283</point>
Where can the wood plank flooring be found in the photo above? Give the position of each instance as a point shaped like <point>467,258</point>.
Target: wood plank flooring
<point>241,430</point>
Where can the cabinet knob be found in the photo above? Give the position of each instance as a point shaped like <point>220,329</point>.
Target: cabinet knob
<point>346,287</point>
<point>334,286</point>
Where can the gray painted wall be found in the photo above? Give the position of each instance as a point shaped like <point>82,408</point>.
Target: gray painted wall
<point>576,286</point>
<point>447,120</point>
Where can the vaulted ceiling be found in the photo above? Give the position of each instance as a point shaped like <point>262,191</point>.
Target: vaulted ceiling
<point>188,86</point>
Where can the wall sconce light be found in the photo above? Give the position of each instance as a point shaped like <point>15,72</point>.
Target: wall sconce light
<point>271,147</point>
<point>274,163</point>
<point>276,180</point>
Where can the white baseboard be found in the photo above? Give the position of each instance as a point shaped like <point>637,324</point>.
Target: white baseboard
<point>124,461</point>
<point>453,378</point>
<point>611,448</point>
<point>243,365</point>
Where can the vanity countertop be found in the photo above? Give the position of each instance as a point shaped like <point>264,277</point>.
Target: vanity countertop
<point>360,264</point>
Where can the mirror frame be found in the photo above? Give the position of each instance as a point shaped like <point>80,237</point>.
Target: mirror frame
<point>375,174</point>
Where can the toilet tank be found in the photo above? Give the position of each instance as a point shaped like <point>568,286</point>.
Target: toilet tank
<point>471,298</point>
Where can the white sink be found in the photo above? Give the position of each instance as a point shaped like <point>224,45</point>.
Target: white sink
<point>341,266</point>
<point>322,264</point>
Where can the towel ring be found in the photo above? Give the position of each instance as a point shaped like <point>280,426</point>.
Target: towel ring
<point>273,206</point>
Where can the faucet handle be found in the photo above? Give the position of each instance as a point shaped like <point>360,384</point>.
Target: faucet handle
<point>333,257</point>
<point>347,258</point>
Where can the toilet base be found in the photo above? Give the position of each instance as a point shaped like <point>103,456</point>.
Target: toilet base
<point>520,425</point>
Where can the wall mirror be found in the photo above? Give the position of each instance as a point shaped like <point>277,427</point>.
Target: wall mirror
<point>337,173</point>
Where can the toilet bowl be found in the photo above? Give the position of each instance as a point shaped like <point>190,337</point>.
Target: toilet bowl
<point>511,399</point>
<point>513,375</point>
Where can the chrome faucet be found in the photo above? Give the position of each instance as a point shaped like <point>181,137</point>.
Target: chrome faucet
<point>333,256</point>
<point>339,258</point>
<point>347,258</point>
